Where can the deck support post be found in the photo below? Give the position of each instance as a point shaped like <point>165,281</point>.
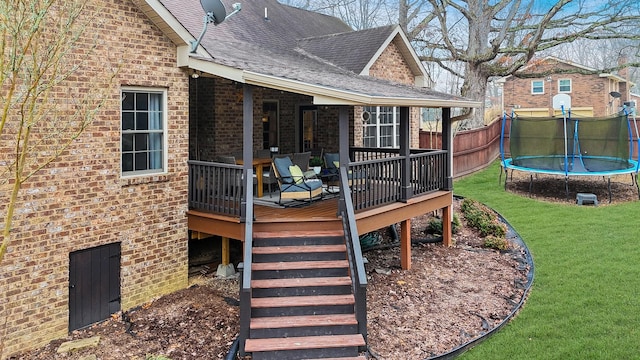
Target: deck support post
<point>406,191</point>
<point>247,144</point>
<point>446,226</point>
<point>225,269</point>
<point>225,251</point>
<point>343,143</point>
<point>447,144</point>
<point>405,244</point>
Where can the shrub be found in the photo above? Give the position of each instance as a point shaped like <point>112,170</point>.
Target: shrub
<point>497,243</point>
<point>483,219</point>
<point>435,226</point>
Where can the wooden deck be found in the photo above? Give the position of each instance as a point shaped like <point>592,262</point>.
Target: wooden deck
<point>317,216</point>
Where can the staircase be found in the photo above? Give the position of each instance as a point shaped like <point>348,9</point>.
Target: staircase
<point>302,304</point>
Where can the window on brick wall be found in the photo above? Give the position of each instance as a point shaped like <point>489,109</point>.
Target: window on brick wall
<point>564,85</point>
<point>382,128</point>
<point>537,87</point>
<point>143,131</point>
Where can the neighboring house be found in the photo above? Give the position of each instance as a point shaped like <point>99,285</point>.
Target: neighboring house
<point>591,95</point>
<point>106,227</point>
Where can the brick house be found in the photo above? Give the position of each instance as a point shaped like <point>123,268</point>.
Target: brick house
<point>586,94</point>
<point>106,227</point>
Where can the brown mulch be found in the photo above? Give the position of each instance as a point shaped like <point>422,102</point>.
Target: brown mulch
<point>449,297</point>
<point>553,188</point>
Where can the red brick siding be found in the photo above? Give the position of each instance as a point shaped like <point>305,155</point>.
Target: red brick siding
<point>391,65</point>
<point>80,201</point>
<point>587,91</point>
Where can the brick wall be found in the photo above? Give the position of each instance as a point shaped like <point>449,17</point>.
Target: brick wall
<point>80,201</point>
<point>391,65</point>
<point>588,91</point>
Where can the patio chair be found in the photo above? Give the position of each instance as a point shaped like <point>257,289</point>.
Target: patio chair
<point>292,183</point>
<point>302,160</point>
<point>332,175</point>
<point>262,153</point>
<point>230,159</point>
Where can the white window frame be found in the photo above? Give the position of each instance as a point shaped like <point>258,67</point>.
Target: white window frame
<point>533,87</point>
<point>376,126</point>
<point>565,91</point>
<point>163,132</point>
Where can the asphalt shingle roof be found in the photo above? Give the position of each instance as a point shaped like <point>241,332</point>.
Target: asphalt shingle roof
<point>297,46</point>
<point>350,50</point>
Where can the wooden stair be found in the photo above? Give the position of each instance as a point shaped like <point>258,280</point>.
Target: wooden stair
<point>302,304</point>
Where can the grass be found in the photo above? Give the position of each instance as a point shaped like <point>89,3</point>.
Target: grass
<point>585,299</point>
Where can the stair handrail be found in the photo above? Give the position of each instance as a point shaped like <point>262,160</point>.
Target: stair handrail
<point>245,280</point>
<point>354,253</point>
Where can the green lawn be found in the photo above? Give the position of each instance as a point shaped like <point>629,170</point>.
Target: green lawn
<point>585,299</point>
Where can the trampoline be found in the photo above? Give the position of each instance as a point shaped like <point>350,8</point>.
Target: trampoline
<point>569,146</point>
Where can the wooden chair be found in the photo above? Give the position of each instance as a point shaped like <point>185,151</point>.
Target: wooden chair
<point>230,159</point>
<point>292,183</point>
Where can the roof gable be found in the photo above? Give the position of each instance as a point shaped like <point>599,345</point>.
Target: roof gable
<point>357,51</point>
<point>351,50</point>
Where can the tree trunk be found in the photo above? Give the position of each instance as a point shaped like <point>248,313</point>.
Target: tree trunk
<point>475,88</point>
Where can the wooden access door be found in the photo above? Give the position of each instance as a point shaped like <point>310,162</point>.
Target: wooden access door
<point>94,285</point>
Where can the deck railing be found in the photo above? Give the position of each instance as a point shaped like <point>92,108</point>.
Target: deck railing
<point>377,177</point>
<point>215,187</point>
<point>245,270</point>
<point>356,262</point>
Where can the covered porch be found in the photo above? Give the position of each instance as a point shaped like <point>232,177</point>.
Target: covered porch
<point>291,255</point>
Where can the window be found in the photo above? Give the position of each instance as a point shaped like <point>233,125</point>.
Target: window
<point>537,87</point>
<point>564,85</point>
<point>382,128</point>
<point>143,131</point>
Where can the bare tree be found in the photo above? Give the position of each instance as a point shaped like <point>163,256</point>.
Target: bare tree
<point>498,38</point>
<point>359,14</point>
<point>45,46</point>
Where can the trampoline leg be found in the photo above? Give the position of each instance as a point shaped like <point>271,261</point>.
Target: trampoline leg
<point>637,186</point>
<point>530,183</point>
<point>506,177</point>
<point>609,186</point>
<point>566,188</point>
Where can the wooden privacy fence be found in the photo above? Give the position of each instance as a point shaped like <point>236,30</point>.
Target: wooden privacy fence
<point>472,149</point>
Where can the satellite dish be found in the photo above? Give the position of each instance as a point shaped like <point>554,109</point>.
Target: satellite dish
<point>214,13</point>
<point>615,94</point>
<point>214,9</point>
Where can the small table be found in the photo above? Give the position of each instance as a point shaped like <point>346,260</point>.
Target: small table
<point>258,164</point>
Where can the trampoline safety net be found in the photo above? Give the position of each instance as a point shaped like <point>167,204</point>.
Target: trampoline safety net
<point>591,144</point>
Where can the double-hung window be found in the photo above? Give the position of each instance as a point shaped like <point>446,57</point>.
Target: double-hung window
<point>143,131</point>
<point>537,87</point>
<point>382,128</point>
<point>564,85</point>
